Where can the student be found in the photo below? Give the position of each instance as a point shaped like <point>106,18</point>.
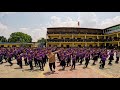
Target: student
<point>1,58</point>
<point>87,58</point>
<point>44,59</point>
<point>63,63</point>
<point>103,59</point>
<point>111,57</point>
<point>9,58</point>
<point>95,58</point>
<point>77,56</point>
<point>68,58</point>
<point>25,58</point>
<point>81,57</point>
<point>73,61</point>
<point>19,59</point>
<point>40,61</point>
<point>51,57</point>
<point>117,56</point>
<point>30,59</point>
<point>35,59</point>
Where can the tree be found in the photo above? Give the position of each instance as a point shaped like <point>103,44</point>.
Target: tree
<point>3,39</point>
<point>42,41</point>
<point>20,37</point>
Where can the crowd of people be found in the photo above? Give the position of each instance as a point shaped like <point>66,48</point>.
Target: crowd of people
<point>68,57</point>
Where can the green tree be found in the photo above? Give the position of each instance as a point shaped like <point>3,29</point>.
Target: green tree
<point>3,39</point>
<point>20,37</point>
<point>42,41</point>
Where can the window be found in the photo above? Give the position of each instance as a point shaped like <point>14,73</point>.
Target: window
<point>13,45</point>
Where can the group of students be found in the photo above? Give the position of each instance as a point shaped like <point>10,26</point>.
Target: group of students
<point>71,56</point>
<point>28,55</point>
<point>66,56</point>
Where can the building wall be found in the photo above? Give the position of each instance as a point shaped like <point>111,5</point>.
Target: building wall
<point>84,36</point>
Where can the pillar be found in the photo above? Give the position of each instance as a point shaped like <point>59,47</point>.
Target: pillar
<point>104,44</point>
<point>72,44</point>
<point>104,37</point>
<point>60,36</point>
<point>85,44</point>
<point>118,44</point>
<point>72,36</point>
<point>98,44</point>
<point>117,35</point>
<point>85,36</point>
<point>97,37</point>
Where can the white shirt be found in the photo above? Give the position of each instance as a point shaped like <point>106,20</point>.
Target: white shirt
<point>118,54</point>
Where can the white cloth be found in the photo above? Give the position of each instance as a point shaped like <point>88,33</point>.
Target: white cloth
<point>118,54</point>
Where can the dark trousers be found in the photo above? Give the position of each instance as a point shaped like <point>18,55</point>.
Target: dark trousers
<point>0,59</point>
<point>20,63</point>
<point>9,61</point>
<point>117,59</point>
<point>77,59</point>
<point>87,61</point>
<point>36,62</point>
<point>51,65</point>
<point>110,61</point>
<point>68,62</point>
<point>44,61</point>
<point>102,64</point>
<point>26,63</point>
<point>81,60</point>
<point>31,65</point>
<point>73,64</point>
<point>94,62</point>
<point>5,58</point>
<point>40,62</point>
<point>63,63</point>
<point>100,61</point>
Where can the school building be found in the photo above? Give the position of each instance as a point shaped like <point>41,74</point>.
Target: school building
<point>83,37</point>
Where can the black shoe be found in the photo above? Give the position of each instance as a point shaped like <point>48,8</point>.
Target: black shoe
<point>11,64</point>
<point>116,62</point>
<point>93,64</point>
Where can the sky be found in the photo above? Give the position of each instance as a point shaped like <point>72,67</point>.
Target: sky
<point>36,23</point>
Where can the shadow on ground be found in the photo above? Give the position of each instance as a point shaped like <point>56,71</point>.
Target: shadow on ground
<point>49,73</point>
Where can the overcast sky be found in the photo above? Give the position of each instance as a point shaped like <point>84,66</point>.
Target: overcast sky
<point>36,23</point>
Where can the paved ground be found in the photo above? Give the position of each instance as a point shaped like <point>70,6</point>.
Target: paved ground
<point>14,71</point>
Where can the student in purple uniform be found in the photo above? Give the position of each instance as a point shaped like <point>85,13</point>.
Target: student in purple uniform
<point>35,59</point>
<point>5,55</point>
<point>40,61</point>
<point>63,63</point>
<point>103,59</point>
<point>68,58</point>
<point>73,61</point>
<point>81,57</point>
<point>77,56</point>
<point>111,57</point>
<point>9,58</point>
<point>30,59</point>
<point>19,59</point>
<point>1,58</point>
<point>117,56</point>
<point>44,59</point>
<point>95,57</point>
<point>87,58</point>
<point>25,58</point>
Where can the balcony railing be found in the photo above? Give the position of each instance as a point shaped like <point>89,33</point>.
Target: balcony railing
<point>82,40</point>
<point>74,33</point>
